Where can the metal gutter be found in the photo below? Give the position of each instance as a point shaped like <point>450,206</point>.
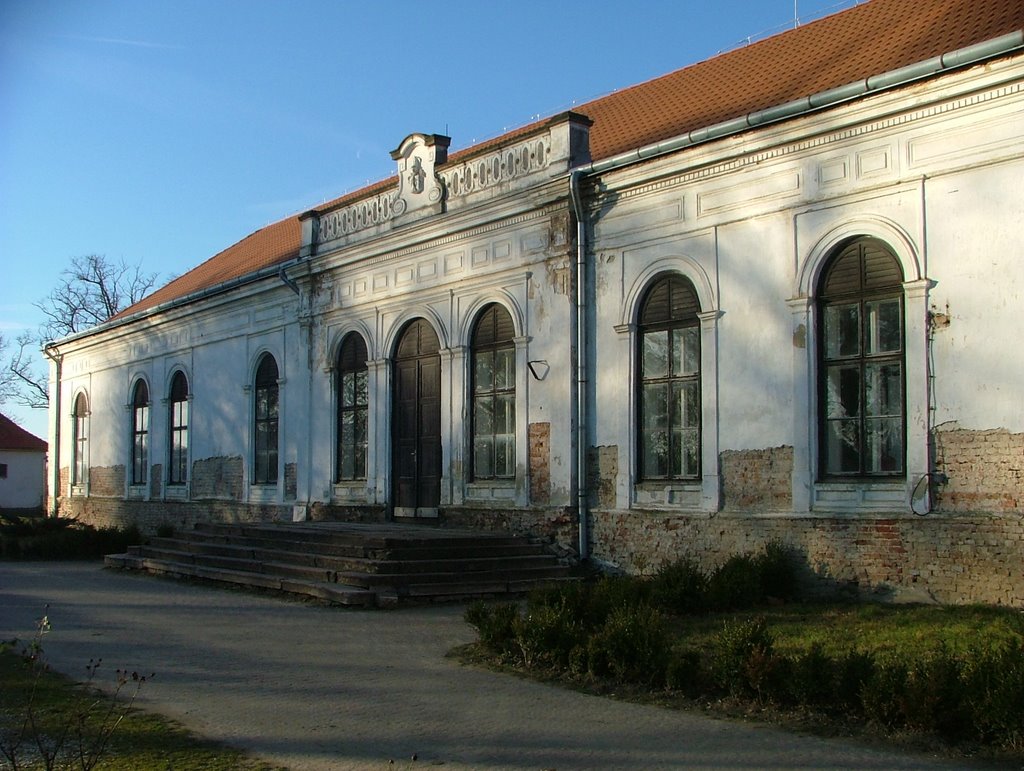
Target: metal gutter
<point>901,76</point>
<point>276,269</point>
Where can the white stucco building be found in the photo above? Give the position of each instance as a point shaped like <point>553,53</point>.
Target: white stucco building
<point>22,468</point>
<point>773,295</point>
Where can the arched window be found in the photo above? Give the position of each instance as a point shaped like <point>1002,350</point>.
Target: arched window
<point>670,398</point>
<point>861,382</point>
<point>352,408</point>
<point>494,395</point>
<point>266,422</point>
<point>177,473</point>
<point>80,465</point>
<point>140,433</point>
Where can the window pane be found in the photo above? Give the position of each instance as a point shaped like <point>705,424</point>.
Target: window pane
<point>484,415</point>
<point>505,415</point>
<point>686,351</point>
<point>504,460</point>
<point>655,361</point>
<point>884,326</point>
<point>348,389</point>
<point>655,406</point>
<point>687,405</point>
<point>654,432</point>
<point>685,448</point>
<point>842,395</point>
<point>360,396</point>
<point>842,330</point>
<point>505,368</point>
<point>483,453</point>
<point>843,445</point>
<point>884,446</point>
<point>883,389</point>
<point>348,445</point>
<point>484,374</point>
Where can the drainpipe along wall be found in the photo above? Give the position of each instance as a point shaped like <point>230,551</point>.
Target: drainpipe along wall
<point>581,365</point>
<point>54,460</point>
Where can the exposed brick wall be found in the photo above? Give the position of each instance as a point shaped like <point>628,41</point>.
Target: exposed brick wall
<point>182,515</point>
<point>603,472</point>
<point>106,481</point>
<point>326,512</point>
<point>757,480</point>
<point>985,471</point>
<point>291,476</point>
<point>937,557</point>
<point>540,463</point>
<point>217,478</point>
<point>554,525</point>
<point>156,480</point>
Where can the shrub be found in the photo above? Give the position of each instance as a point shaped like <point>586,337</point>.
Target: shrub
<point>60,538</point>
<point>744,658</point>
<point>680,587</point>
<point>934,694</point>
<point>495,624</point>
<point>884,695</point>
<point>632,646</point>
<point>777,572</point>
<point>994,694</point>
<point>735,584</point>
<point>684,673</point>
<point>546,636</point>
<point>812,676</point>
<point>853,670</point>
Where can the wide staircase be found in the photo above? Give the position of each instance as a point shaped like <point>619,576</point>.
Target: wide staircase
<point>352,564</point>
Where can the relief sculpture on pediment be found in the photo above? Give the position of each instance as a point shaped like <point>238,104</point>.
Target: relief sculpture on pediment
<point>419,185</point>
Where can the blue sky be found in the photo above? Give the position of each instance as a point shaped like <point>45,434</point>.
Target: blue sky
<point>163,132</point>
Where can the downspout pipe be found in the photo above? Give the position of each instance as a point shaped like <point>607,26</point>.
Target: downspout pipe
<point>582,471</point>
<point>288,282</point>
<point>51,352</point>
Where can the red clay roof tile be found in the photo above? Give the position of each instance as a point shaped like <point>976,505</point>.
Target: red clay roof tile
<point>14,437</point>
<point>868,39</point>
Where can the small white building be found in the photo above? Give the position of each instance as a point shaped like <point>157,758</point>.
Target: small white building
<point>22,468</point>
<point>772,295</point>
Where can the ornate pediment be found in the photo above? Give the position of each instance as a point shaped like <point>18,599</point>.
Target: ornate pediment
<point>419,185</point>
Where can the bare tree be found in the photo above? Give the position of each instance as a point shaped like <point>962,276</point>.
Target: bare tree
<point>89,292</point>
<point>21,380</point>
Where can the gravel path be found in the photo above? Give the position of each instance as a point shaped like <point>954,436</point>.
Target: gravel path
<point>316,688</point>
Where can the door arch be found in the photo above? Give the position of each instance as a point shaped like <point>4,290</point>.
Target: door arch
<point>416,422</point>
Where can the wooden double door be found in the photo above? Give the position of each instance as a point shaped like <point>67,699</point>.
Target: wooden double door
<point>416,423</point>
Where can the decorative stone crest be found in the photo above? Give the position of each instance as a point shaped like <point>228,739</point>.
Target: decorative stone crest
<point>419,186</point>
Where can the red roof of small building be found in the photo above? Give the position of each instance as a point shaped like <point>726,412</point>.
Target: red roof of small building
<point>14,437</point>
<point>868,39</point>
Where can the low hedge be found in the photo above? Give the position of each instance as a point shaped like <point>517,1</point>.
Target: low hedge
<point>628,630</point>
<point>60,538</point>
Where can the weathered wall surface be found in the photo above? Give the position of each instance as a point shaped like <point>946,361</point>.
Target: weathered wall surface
<point>984,470</point>
<point>218,478</point>
<point>943,558</point>
<point>181,515</point>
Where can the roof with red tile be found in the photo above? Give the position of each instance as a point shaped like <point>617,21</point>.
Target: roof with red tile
<point>14,437</point>
<point>868,39</point>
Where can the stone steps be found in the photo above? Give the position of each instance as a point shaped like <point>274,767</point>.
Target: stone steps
<point>351,564</point>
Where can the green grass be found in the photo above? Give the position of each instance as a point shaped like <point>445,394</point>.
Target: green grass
<point>888,631</point>
<point>140,742</point>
